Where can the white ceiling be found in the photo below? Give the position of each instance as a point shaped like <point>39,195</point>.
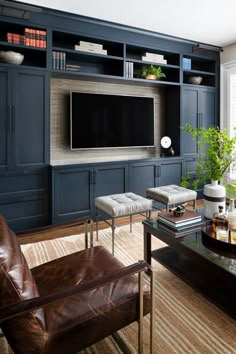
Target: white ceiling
<point>207,21</point>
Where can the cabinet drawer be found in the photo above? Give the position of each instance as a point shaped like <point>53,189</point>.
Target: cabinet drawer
<point>24,210</point>
<point>23,181</point>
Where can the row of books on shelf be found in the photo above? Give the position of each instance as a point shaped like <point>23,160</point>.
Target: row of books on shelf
<point>59,62</point>
<point>153,57</point>
<point>90,47</point>
<point>31,37</point>
<point>129,69</point>
<point>180,225</point>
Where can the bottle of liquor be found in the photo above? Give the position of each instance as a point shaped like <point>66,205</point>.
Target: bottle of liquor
<point>232,221</point>
<point>220,220</point>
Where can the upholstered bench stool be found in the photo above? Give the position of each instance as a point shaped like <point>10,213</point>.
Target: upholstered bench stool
<point>119,205</point>
<point>172,195</point>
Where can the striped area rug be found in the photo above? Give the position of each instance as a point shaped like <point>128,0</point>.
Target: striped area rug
<point>185,322</point>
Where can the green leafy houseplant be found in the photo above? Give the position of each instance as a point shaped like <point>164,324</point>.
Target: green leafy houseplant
<point>152,70</point>
<point>217,153</point>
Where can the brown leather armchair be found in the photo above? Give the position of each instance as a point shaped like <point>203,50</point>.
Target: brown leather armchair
<point>94,295</point>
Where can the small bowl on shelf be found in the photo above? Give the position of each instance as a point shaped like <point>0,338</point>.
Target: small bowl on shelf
<point>195,80</point>
<point>11,57</point>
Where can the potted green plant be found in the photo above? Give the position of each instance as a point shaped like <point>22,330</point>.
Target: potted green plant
<point>217,154</point>
<point>152,72</point>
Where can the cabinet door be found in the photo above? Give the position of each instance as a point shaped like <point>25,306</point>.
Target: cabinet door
<point>170,172</point>
<point>142,176</point>
<point>72,193</point>
<point>29,116</point>
<point>110,179</point>
<point>5,123</point>
<point>207,107</point>
<point>189,114</point>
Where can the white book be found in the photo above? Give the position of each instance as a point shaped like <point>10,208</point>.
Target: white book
<point>158,61</point>
<point>127,69</point>
<point>85,44</point>
<point>154,60</point>
<point>154,55</point>
<point>131,70</point>
<point>91,50</point>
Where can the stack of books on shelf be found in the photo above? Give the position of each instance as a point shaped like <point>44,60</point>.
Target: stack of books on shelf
<point>72,67</point>
<point>190,221</point>
<point>31,37</point>
<point>153,57</point>
<point>58,60</point>
<point>90,47</point>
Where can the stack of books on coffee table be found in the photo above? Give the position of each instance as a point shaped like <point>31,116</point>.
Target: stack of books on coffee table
<point>190,221</point>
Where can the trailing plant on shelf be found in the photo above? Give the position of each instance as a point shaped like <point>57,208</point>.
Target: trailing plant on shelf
<point>151,72</point>
<point>217,154</point>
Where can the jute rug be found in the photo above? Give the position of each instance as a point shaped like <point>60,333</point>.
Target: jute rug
<point>185,322</point>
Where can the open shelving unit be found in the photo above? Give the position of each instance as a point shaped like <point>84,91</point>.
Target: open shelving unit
<point>201,67</point>
<point>34,55</point>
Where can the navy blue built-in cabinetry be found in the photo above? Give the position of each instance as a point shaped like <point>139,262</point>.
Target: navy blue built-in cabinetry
<point>154,173</point>
<point>75,187</point>
<point>24,147</point>
<point>49,52</point>
<point>198,107</point>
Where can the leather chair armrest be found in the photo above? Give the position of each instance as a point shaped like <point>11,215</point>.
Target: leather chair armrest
<point>15,310</point>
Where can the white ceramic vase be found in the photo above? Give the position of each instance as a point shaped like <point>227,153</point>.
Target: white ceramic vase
<point>214,196</point>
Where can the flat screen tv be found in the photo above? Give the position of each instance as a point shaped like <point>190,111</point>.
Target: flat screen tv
<point>99,121</point>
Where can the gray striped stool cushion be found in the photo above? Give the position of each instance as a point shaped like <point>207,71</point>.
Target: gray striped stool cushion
<point>171,194</point>
<point>123,204</point>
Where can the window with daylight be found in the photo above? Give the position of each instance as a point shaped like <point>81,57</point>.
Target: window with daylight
<point>228,96</point>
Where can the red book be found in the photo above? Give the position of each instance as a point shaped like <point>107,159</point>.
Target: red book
<point>9,37</point>
<point>41,39</point>
<point>37,38</point>
<point>27,36</point>
<point>44,39</point>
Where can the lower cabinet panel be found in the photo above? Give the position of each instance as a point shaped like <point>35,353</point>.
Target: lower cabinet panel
<point>25,210</point>
<point>75,187</point>
<point>71,193</point>
<point>171,172</point>
<point>142,176</point>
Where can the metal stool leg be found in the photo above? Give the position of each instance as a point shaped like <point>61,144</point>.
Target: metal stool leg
<point>113,226</point>
<point>97,223</point>
<point>91,233</point>
<point>130,222</point>
<point>86,233</point>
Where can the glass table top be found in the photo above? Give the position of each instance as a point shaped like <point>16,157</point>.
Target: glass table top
<point>194,240</point>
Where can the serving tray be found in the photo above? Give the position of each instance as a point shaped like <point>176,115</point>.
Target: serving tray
<point>209,239</point>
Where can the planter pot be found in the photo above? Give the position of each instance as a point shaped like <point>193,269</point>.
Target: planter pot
<point>151,77</point>
<point>214,196</point>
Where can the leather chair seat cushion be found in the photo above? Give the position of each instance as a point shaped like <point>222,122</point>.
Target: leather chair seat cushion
<point>80,320</point>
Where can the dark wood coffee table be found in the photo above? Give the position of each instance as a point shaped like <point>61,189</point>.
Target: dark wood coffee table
<point>210,272</point>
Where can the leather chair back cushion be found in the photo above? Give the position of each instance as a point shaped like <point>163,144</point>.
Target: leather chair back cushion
<point>16,282</point>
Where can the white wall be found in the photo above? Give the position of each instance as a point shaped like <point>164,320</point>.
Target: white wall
<point>229,54</point>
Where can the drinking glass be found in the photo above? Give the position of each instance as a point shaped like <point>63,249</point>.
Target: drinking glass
<point>222,233</point>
